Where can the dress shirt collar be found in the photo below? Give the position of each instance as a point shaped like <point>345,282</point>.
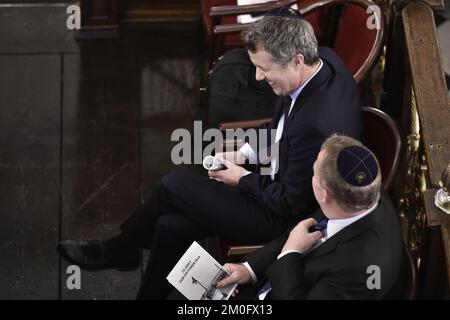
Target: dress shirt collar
<point>336,225</point>
<point>295,94</point>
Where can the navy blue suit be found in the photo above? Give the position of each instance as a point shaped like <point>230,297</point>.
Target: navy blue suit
<point>328,104</point>
<point>186,207</point>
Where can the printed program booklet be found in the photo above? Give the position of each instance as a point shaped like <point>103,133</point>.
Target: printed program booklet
<point>196,275</point>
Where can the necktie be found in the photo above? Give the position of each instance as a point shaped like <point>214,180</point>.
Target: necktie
<point>287,101</point>
<point>286,105</point>
<point>320,226</point>
<point>264,288</point>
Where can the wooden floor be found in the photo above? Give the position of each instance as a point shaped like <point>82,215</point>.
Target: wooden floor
<point>84,135</point>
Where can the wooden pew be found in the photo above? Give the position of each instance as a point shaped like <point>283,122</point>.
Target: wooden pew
<point>416,95</point>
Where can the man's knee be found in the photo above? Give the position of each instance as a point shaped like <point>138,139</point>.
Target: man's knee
<point>166,223</point>
<point>173,226</point>
<point>176,180</point>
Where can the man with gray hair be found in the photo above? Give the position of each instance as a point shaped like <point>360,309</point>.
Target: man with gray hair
<point>318,97</point>
<point>351,248</point>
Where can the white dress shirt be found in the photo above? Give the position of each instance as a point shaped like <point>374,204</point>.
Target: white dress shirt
<point>248,151</point>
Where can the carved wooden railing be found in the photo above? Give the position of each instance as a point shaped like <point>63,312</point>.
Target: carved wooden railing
<point>416,95</point>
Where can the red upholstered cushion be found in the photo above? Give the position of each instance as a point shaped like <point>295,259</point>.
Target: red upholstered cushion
<point>353,29</point>
<point>317,18</point>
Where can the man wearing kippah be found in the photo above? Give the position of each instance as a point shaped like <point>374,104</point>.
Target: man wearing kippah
<point>351,248</point>
<point>318,97</point>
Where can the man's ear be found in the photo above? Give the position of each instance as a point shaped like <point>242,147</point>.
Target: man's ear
<point>299,60</point>
<point>327,196</point>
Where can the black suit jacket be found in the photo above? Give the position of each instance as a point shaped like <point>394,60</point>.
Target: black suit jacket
<point>328,104</point>
<point>337,269</point>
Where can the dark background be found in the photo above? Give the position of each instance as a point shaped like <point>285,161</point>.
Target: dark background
<point>84,136</point>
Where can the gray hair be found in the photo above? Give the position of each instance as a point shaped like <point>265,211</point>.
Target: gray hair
<point>283,38</point>
<point>349,198</point>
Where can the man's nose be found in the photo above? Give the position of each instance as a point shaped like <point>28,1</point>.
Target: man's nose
<point>259,75</point>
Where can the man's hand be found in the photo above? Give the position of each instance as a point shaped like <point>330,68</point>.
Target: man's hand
<point>231,175</point>
<point>237,273</point>
<point>300,239</point>
<point>237,157</point>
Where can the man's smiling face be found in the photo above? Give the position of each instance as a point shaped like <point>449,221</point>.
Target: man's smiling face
<point>283,79</point>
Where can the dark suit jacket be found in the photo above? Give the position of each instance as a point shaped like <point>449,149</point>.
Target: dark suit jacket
<point>328,104</point>
<point>337,269</point>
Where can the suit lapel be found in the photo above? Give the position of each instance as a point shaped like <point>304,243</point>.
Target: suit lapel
<point>347,233</point>
<point>306,93</point>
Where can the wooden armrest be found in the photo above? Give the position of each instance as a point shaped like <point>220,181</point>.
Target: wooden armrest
<point>231,28</point>
<point>249,8</point>
<point>241,250</point>
<point>244,124</point>
<point>231,145</point>
<point>235,144</point>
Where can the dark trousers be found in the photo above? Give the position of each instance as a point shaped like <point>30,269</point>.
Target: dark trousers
<point>185,207</point>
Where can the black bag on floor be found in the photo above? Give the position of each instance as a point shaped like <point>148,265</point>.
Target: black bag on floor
<point>232,92</point>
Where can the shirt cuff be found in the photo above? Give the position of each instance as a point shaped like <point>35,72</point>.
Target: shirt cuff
<point>245,264</point>
<point>287,252</point>
<point>249,153</point>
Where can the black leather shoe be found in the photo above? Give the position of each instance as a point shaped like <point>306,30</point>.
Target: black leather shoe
<point>94,255</point>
